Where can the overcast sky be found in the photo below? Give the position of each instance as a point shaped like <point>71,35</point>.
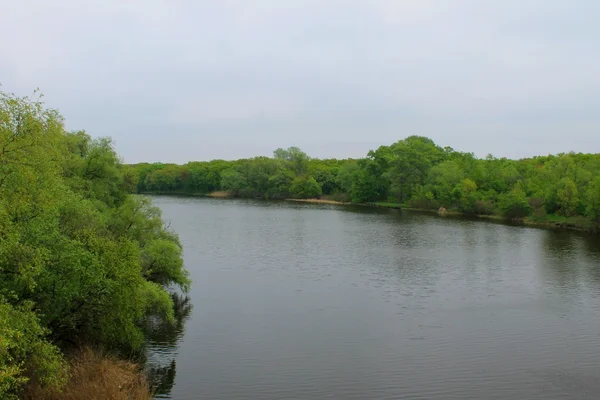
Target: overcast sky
<point>178,80</point>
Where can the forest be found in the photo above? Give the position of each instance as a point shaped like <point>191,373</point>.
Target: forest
<point>85,261</point>
<point>82,261</point>
<point>414,172</point>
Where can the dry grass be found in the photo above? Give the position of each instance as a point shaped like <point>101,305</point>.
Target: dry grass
<point>320,201</point>
<point>220,194</point>
<point>97,376</point>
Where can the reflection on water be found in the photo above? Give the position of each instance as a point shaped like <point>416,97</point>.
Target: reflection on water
<point>162,341</point>
<point>571,261</point>
<point>162,379</point>
<point>298,301</point>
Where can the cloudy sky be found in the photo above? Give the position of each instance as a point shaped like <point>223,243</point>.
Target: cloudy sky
<point>181,80</point>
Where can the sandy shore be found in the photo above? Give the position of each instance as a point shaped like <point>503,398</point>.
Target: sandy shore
<point>320,201</point>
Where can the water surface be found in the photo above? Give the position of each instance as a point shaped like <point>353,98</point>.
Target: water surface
<point>304,301</point>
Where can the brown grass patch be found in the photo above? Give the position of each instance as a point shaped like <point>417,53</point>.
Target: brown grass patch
<point>97,376</point>
<point>219,194</point>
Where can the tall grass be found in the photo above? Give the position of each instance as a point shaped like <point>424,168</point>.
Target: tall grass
<point>97,376</point>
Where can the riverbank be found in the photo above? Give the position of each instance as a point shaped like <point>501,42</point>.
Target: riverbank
<point>221,194</point>
<point>549,222</point>
<point>319,201</point>
<point>96,376</point>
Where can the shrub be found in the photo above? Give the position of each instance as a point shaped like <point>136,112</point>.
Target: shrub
<point>515,205</point>
<point>305,187</point>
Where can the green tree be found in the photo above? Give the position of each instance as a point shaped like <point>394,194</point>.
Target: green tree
<point>514,205</point>
<point>25,354</point>
<point>444,177</point>
<point>410,162</point>
<point>365,187</point>
<point>593,202</point>
<point>413,170</point>
<point>295,158</point>
<point>468,196</point>
<point>568,197</point>
<point>232,180</point>
<point>346,176</point>
<point>81,260</point>
<point>305,187</point>
<point>280,184</point>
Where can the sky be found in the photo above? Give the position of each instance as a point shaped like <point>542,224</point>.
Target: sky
<point>184,80</point>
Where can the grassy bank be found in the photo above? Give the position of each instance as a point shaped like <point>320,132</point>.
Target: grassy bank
<point>95,375</point>
<point>318,201</point>
<point>218,194</point>
<point>176,193</point>
<point>551,221</point>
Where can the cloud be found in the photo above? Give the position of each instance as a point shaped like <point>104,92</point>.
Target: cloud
<point>337,76</point>
<point>242,107</point>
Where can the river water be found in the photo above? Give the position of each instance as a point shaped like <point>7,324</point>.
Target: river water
<point>305,301</point>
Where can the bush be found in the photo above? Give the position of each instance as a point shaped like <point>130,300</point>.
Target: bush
<point>483,207</point>
<point>468,196</point>
<point>424,199</point>
<point>515,205</point>
<point>593,203</point>
<point>24,353</point>
<point>305,187</point>
<point>81,260</point>
<point>424,203</point>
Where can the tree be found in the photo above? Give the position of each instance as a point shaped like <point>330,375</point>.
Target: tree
<point>325,176</point>
<point>346,176</point>
<point>444,177</point>
<point>468,196</point>
<point>232,180</point>
<point>365,187</point>
<point>280,183</point>
<point>81,260</point>
<point>305,187</point>
<point>514,205</point>
<point>24,351</point>
<point>413,170</point>
<point>410,162</point>
<point>568,197</point>
<point>295,158</point>
<point>593,202</point>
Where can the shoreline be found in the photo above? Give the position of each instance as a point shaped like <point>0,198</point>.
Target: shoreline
<point>320,201</point>
<point>528,222</point>
<point>546,224</point>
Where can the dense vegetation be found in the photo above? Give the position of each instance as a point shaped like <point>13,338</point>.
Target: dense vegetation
<point>82,262</point>
<point>413,172</point>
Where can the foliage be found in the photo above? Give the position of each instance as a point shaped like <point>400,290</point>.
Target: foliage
<point>468,196</point>
<point>568,197</point>
<point>514,205</point>
<point>593,202</point>
<point>24,353</point>
<point>424,199</point>
<point>305,187</point>
<point>413,171</point>
<point>81,259</point>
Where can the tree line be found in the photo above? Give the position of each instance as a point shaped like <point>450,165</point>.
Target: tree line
<point>82,261</point>
<point>413,172</point>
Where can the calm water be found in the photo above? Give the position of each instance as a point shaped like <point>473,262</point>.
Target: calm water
<point>298,301</point>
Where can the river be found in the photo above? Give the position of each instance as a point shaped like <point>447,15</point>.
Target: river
<point>310,301</point>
